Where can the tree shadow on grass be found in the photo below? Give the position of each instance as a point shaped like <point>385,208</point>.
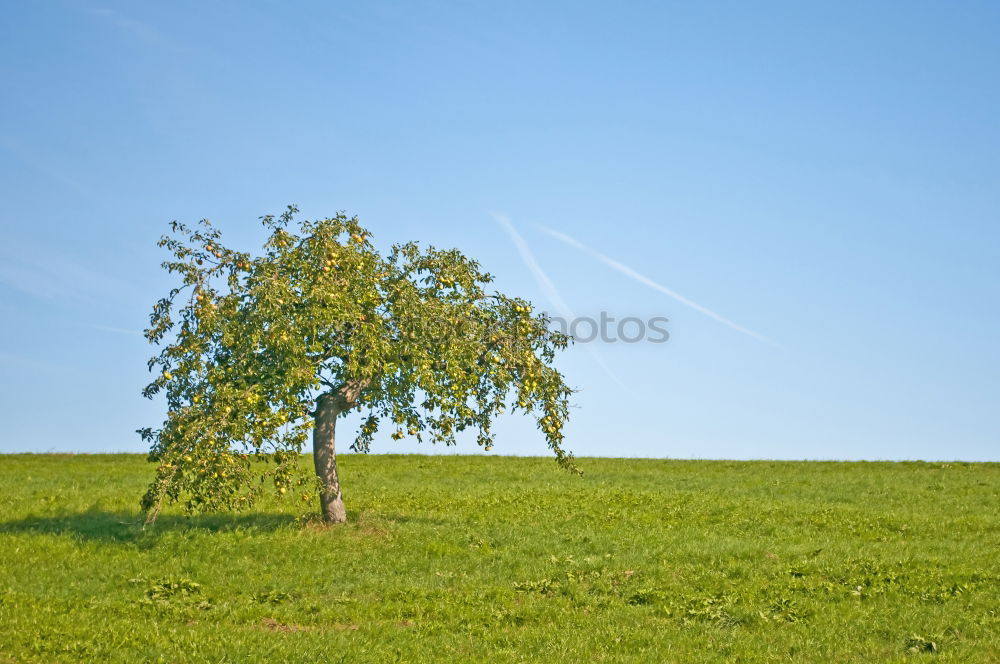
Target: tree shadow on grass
<point>127,527</point>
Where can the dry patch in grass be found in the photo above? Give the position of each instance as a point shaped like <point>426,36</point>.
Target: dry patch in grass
<point>276,626</point>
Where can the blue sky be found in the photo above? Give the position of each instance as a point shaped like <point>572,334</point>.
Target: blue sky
<point>825,175</point>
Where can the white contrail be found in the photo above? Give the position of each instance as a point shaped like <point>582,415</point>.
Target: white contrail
<point>549,288</point>
<point>643,279</point>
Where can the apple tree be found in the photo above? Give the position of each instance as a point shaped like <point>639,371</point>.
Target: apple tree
<point>259,351</point>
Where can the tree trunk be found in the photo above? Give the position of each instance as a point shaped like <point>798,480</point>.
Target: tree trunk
<point>328,407</point>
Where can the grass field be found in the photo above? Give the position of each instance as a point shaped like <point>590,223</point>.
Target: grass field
<point>511,559</point>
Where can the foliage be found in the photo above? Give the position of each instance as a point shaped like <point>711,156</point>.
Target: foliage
<point>249,342</point>
<point>677,561</point>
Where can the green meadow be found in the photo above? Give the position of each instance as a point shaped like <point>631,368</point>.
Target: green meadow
<point>500,559</point>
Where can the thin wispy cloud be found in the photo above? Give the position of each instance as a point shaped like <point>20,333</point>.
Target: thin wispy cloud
<point>643,279</point>
<point>140,30</point>
<point>548,288</point>
<point>34,160</point>
<point>48,275</point>
<point>33,364</point>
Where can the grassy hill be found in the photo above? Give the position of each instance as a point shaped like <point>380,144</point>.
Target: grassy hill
<point>511,559</point>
